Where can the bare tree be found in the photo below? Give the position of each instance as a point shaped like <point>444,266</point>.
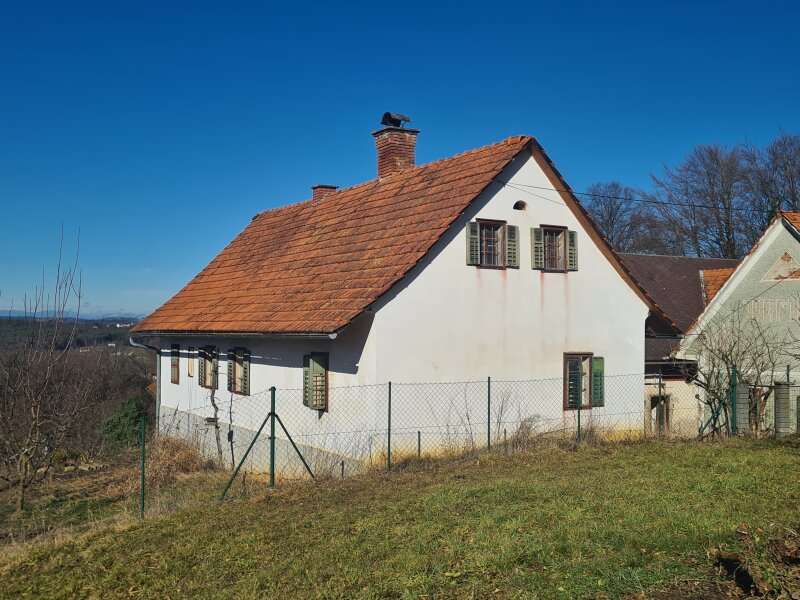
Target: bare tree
<point>45,387</point>
<point>702,201</point>
<point>772,178</point>
<point>735,343</point>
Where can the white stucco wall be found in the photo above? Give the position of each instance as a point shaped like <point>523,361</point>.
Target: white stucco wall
<point>449,322</point>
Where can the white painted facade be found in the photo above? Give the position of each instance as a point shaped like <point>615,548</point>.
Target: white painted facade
<point>450,322</point>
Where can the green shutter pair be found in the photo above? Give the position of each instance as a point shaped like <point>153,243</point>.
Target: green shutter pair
<point>315,380</point>
<point>537,249</point>
<point>575,382</point>
<point>511,236</point>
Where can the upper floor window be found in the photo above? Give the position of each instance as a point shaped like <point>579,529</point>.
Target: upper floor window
<point>492,244</point>
<point>554,249</point>
<point>239,371</point>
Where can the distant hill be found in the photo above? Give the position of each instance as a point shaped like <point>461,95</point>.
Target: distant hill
<point>88,332</point>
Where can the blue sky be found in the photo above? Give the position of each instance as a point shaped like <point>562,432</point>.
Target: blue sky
<point>159,130</point>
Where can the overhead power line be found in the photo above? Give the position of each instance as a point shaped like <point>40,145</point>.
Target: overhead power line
<point>628,199</point>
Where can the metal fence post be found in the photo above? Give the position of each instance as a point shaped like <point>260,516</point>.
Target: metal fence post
<point>389,431</point>
<point>733,397</point>
<point>142,427</point>
<point>580,401</point>
<point>489,413</point>
<point>419,444</point>
<point>272,437</point>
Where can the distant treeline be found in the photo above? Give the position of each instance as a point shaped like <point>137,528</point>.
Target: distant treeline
<point>15,331</point>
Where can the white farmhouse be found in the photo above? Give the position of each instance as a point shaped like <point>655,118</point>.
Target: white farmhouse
<point>480,265</point>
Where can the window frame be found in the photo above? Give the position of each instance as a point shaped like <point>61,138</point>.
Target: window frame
<point>241,356</point>
<point>208,354</point>
<point>564,232</point>
<point>501,252</point>
<point>175,364</point>
<point>565,383</point>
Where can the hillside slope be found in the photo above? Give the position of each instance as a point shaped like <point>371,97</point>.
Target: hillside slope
<point>613,520</point>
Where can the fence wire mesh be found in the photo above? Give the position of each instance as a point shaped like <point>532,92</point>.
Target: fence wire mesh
<point>375,426</point>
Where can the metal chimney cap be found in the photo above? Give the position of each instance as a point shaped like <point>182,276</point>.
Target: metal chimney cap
<point>391,119</point>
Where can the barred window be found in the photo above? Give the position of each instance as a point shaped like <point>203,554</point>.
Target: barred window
<point>554,249</point>
<point>492,244</point>
<point>239,371</point>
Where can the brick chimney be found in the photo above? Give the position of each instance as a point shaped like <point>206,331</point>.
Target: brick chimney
<point>319,191</point>
<point>395,144</point>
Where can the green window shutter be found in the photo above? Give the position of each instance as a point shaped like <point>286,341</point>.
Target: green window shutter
<point>201,366</point>
<point>598,381</point>
<point>231,370</point>
<point>307,380</point>
<point>574,383</point>
<point>572,250</point>
<point>319,381</point>
<point>512,246</point>
<point>537,248</point>
<point>245,373</point>
<point>214,368</point>
<point>473,244</point>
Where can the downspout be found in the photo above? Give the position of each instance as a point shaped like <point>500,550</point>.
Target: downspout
<point>157,352</point>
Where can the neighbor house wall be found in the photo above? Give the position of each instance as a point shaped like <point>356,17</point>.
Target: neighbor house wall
<point>773,303</point>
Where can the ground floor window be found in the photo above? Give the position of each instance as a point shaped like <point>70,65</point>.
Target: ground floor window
<point>207,366</point>
<point>239,371</point>
<point>315,380</point>
<point>175,364</point>
<point>584,380</point>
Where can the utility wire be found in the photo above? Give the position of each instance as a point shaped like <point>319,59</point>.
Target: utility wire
<point>628,199</point>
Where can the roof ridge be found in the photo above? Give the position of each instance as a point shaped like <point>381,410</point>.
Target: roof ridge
<point>507,140</point>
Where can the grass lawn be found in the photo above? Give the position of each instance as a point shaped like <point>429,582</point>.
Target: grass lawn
<point>612,520</point>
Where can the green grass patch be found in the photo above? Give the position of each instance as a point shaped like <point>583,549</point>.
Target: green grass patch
<point>555,523</point>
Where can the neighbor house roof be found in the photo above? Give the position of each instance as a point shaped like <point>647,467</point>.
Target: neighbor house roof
<point>675,283</point>
<point>313,267</point>
<point>713,280</point>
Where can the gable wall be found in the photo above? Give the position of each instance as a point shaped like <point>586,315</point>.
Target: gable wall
<point>453,322</point>
<point>772,303</point>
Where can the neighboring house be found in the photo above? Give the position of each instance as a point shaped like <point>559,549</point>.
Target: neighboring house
<point>455,270</point>
<point>681,285</point>
<point>759,299</point>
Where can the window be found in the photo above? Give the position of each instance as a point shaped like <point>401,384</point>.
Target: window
<point>175,364</point>
<point>492,244</point>
<point>554,249</point>
<point>190,359</point>
<point>584,381</point>
<point>315,380</point>
<point>520,205</point>
<point>239,371</point>
<point>207,366</point>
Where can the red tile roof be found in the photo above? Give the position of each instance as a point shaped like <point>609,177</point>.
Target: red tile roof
<point>713,280</point>
<point>314,266</point>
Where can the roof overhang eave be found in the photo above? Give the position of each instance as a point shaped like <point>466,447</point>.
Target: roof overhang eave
<point>249,334</point>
